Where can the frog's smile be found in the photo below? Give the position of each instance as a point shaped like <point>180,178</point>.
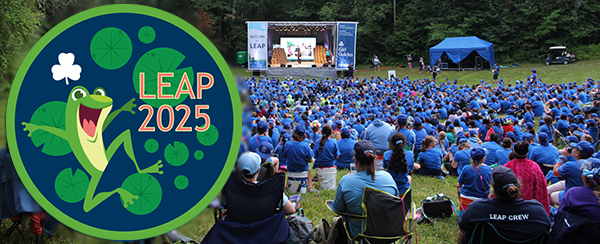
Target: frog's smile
<point>88,119</point>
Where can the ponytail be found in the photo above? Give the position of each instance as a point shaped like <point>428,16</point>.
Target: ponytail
<point>398,159</point>
<point>326,131</point>
<point>371,169</point>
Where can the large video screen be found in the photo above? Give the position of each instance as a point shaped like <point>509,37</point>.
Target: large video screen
<point>295,46</point>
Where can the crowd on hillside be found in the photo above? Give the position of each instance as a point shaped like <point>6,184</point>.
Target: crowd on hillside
<point>528,149</point>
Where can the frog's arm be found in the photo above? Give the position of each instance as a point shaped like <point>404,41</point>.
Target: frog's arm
<point>52,130</point>
<point>128,107</point>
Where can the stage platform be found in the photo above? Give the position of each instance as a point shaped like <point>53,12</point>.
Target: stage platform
<point>304,69</point>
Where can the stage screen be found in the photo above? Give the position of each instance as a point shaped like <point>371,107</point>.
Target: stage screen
<point>295,45</point>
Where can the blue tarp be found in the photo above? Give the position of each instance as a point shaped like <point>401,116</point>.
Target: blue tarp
<point>458,48</point>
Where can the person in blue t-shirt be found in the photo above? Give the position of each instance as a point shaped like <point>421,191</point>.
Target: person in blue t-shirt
<point>430,159</point>
<point>502,154</point>
<point>492,146</point>
<point>299,154</point>
<point>548,128</point>
<point>570,171</point>
<point>462,157</point>
<point>496,73</point>
<point>545,155</point>
<point>349,194</point>
<point>279,151</point>
<point>345,147</point>
<point>261,136</point>
<point>399,162</point>
<point>326,149</point>
<point>473,182</point>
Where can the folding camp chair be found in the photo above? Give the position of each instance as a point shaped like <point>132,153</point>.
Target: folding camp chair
<point>383,220</point>
<point>486,233</point>
<point>571,228</point>
<point>252,215</point>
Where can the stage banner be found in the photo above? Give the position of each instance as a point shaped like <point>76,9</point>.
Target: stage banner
<point>346,46</point>
<point>257,46</point>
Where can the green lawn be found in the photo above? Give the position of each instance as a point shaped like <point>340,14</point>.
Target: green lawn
<point>443,231</point>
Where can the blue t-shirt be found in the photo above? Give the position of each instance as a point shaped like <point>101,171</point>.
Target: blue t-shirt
<point>255,142</point>
<point>491,147</point>
<point>544,154</point>
<point>280,155</point>
<point>400,177</point>
<point>502,156</point>
<point>463,158</point>
<point>571,172</point>
<point>299,155</point>
<point>431,159</point>
<point>345,147</point>
<point>349,195</point>
<point>475,183</point>
<point>327,156</point>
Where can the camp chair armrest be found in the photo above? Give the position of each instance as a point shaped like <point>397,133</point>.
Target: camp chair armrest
<point>353,216</point>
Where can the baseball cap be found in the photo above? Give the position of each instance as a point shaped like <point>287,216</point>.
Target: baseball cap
<point>503,177</point>
<point>262,126</point>
<point>573,127</point>
<point>248,163</point>
<point>591,122</point>
<point>286,137</point>
<point>573,140</point>
<point>286,125</point>
<point>590,169</point>
<point>496,120</point>
<point>379,115</point>
<point>543,138</point>
<point>402,119</point>
<point>299,130</point>
<point>265,149</point>
<point>339,124</point>
<point>461,140</point>
<point>361,148</point>
<point>585,147</point>
<point>345,132</point>
<point>478,153</point>
<point>418,121</point>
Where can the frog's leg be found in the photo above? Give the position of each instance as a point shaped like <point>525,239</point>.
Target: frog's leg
<point>125,139</point>
<point>92,201</point>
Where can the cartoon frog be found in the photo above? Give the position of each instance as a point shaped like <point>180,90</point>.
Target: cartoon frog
<point>84,115</point>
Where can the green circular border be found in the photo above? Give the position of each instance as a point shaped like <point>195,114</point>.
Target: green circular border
<point>236,136</point>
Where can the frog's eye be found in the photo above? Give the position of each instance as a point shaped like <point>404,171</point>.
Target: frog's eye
<point>100,92</point>
<point>78,93</point>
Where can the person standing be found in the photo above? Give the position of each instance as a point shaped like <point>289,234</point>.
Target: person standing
<point>421,65</point>
<point>496,73</point>
<point>376,63</point>
<point>409,58</point>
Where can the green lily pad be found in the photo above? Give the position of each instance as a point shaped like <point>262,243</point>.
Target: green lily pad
<point>151,145</point>
<point>147,188</point>
<point>50,114</point>
<point>181,182</point>
<point>111,48</point>
<point>146,34</point>
<point>177,153</point>
<point>198,155</point>
<point>162,60</point>
<point>71,187</point>
<point>208,137</point>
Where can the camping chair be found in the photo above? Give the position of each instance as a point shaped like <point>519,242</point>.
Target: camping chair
<point>486,233</point>
<point>252,215</point>
<point>267,169</point>
<point>571,228</point>
<point>383,220</point>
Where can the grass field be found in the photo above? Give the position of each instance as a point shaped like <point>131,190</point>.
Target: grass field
<point>443,231</point>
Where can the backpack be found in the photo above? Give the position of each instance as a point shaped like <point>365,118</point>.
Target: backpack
<point>301,228</point>
<point>438,206</point>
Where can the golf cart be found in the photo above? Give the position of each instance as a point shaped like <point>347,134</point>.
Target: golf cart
<point>559,55</point>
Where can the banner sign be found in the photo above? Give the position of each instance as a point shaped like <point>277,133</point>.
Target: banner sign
<point>124,122</point>
<point>346,44</point>
<point>257,46</point>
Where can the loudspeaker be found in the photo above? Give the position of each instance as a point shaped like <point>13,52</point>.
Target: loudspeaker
<point>325,65</point>
<point>282,65</point>
<point>268,66</point>
<point>289,65</point>
<point>314,65</point>
<point>256,73</point>
<point>333,66</point>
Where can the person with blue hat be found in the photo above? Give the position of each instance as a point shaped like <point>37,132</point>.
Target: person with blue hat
<point>409,134</point>
<point>570,171</point>
<point>265,150</point>
<point>545,155</point>
<point>261,136</point>
<point>248,167</point>
<point>420,135</point>
<point>345,147</point>
<point>583,200</point>
<point>378,133</point>
<point>473,182</point>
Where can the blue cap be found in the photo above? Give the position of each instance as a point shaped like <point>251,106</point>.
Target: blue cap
<point>511,135</point>
<point>248,163</point>
<point>286,137</point>
<point>527,136</point>
<point>418,121</point>
<point>478,153</point>
<point>338,124</point>
<point>379,115</point>
<point>573,126</point>
<point>572,140</point>
<point>450,126</point>
<point>265,149</point>
<point>591,122</point>
<point>461,140</point>
<point>530,125</point>
<point>299,130</point>
<point>586,148</point>
<point>345,132</point>
<point>496,120</point>
<point>262,127</point>
<point>402,119</point>
<point>286,125</point>
<point>543,138</point>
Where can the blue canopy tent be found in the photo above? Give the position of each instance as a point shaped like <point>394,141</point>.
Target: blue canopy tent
<point>458,48</point>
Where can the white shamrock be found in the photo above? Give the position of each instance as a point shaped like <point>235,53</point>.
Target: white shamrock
<point>341,44</point>
<point>66,69</point>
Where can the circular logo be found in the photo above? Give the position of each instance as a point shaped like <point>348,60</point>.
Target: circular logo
<point>124,122</point>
